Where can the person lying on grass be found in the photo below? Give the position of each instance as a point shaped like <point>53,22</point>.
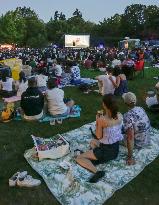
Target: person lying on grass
<point>108,134</point>
<point>136,126</point>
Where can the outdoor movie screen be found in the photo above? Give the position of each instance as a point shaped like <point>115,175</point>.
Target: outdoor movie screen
<point>77,41</point>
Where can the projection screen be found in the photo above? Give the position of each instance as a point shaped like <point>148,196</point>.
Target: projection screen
<point>77,41</point>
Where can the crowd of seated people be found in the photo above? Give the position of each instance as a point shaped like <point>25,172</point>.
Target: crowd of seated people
<point>35,104</point>
<point>42,94</point>
<point>113,81</point>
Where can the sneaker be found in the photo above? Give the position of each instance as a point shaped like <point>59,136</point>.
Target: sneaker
<point>59,121</point>
<point>52,122</point>
<point>15,177</point>
<point>156,77</point>
<point>28,181</point>
<point>97,176</point>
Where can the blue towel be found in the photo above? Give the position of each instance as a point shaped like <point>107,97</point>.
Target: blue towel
<point>75,112</point>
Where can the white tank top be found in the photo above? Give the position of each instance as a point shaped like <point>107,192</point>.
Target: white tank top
<point>112,134</point>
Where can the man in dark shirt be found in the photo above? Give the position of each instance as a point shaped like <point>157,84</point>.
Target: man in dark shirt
<point>32,101</point>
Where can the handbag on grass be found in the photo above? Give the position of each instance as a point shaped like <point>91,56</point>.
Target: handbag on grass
<point>52,148</point>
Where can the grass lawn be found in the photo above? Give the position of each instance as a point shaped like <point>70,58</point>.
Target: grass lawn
<point>15,139</point>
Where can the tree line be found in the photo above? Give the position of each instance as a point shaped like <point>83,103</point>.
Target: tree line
<point>23,26</point>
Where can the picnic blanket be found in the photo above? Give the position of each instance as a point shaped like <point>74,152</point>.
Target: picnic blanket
<point>81,81</point>
<point>74,113</point>
<point>72,187</point>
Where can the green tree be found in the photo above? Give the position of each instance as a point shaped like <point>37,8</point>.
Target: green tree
<point>62,16</point>
<point>7,28</point>
<point>12,28</point>
<point>56,30</point>
<point>77,13</point>
<point>151,27</point>
<point>20,26</point>
<point>111,26</point>
<point>133,20</point>
<point>35,30</point>
<point>56,15</point>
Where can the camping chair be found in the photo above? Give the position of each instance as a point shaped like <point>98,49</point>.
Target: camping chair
<point>139,67</point>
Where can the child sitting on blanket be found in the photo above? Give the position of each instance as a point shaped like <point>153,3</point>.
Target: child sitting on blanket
<point>55,100</point>
<point>108,134</point>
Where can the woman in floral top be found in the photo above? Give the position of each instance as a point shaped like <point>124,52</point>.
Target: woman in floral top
<point>136,126</point>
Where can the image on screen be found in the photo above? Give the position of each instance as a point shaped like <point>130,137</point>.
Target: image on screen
<point>77,41</point>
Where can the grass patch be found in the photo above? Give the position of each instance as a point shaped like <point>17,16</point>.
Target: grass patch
<point>15,139</point>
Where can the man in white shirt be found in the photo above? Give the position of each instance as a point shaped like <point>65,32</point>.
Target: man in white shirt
<point>105,84</point>
<point>55,100</point>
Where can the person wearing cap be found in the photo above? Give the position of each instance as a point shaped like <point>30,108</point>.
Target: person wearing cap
<point>136,126</point>
<point>32,101</point>
<point>155,99</point>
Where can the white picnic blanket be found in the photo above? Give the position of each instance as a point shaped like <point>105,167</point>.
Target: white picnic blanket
<point>72,187</point>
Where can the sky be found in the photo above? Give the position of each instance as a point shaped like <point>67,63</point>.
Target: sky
<point>92,10</point>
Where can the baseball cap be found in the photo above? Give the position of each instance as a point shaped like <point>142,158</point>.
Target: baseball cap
<point>129,98</point>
